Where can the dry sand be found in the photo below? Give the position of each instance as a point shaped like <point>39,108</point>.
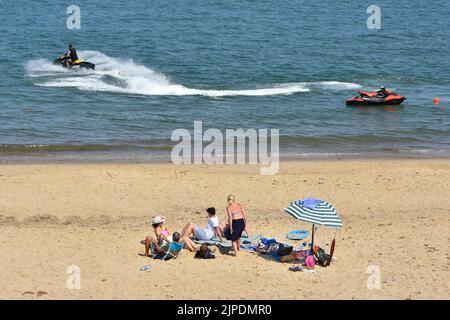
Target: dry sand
<point>396,215</point>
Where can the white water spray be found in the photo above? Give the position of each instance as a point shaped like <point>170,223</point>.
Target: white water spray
<point>128,77</point>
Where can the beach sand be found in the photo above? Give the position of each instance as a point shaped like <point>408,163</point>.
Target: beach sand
<point>396,216</point>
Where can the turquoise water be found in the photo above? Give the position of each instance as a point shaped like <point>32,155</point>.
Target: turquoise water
<point>250,64</point>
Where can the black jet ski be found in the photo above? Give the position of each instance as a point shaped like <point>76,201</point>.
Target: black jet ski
<point>375,99</point>
<point>78,64</point>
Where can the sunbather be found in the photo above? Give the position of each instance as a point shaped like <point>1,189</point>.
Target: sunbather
<point>161,231</point>
<point>295,256</point>
<point>213,228</point>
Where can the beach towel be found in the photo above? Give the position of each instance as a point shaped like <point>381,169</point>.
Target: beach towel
<point>214,242</point>
<point>249,248</point>
<point>245,240</point>
<point>250,240</point>
<point>249,244</point>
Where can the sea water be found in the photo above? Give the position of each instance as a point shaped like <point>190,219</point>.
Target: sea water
<point>162,65</point>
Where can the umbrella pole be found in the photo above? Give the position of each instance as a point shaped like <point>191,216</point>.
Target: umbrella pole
<point>312,240</point>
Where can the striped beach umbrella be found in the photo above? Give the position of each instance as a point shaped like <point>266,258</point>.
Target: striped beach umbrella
<point>323,214</point>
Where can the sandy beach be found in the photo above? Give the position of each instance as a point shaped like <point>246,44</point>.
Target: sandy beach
<point>396,216</point>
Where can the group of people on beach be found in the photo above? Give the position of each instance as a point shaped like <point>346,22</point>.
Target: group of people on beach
<point>232,230</point>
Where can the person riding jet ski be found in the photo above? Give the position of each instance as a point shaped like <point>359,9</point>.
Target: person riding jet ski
<point>70,60</point>
<point>382,92</point>
<point>70,57</point>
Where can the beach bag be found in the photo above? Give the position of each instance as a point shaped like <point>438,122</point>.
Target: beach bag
<point>321,257</point>
<point>309,262</point>
<point>284,249</point>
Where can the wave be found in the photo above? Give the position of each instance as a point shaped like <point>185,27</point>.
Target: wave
<point>127,77</point>
<point>18,149</point>
<point>336,85</point>
<point>137,153</point>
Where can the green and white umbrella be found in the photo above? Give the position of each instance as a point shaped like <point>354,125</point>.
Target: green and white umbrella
<point>323,214</point>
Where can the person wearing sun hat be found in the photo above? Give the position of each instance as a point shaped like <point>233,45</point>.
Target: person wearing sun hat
<point>163,236</point>
<point>161,231</point>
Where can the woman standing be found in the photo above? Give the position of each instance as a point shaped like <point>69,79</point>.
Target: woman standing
<point>237,220</point>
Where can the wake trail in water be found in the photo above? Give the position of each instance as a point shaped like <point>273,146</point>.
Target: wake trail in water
<point>127,77</point>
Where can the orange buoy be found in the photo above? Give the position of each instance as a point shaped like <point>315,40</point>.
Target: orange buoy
<point>436,101</point>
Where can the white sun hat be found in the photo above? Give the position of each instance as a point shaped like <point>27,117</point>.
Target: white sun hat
<point>157,219</point>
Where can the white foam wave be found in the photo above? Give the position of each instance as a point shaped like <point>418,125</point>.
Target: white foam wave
<point>43,67</point>
<point>336,85</point>
<point>125,76</point>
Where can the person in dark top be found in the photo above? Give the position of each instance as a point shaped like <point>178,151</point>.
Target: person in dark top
<point>70,57</point>
<point>382,92</point>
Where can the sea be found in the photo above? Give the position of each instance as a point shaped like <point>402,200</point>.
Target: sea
<point>162,65</point>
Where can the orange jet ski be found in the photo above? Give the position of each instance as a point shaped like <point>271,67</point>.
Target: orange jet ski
<point>365,98</point>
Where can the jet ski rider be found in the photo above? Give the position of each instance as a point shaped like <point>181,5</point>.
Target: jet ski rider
<point>70,57</point>
<point>382,92</point>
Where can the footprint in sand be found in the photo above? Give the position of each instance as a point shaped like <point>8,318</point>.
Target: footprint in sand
<point>39,293</point>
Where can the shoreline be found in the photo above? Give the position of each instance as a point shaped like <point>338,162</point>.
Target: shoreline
<point>36,160</point>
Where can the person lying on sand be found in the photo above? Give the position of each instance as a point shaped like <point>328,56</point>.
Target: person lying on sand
<point>213,228</point>
<point>299,256</point>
